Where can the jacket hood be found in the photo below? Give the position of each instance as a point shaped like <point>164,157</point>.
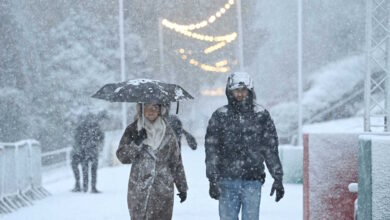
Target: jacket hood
<point>239,80</point>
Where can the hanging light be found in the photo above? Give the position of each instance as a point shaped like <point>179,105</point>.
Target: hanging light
<point>198,25</point>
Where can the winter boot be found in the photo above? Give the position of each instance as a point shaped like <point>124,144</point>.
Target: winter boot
<point>76,187</point>
<point>94,190</point>
<point>85,187</point>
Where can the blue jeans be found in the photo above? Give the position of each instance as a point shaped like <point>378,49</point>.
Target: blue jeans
<point>236,194</point>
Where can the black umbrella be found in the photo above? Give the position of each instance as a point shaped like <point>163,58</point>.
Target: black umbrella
<point>142,90</point>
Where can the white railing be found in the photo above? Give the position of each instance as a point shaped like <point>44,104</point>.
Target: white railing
<point>22,163</point>
<point>106,156</point>
<point>20,175</point>
<point>62,158</point>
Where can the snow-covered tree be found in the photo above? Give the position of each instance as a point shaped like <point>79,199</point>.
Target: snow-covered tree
<point>19,68</point>
<point>77,62</point>
<point>82,55</point>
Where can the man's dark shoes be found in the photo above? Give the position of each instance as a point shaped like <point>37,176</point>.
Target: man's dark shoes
<point>76,188</point>
<point>94,190</point>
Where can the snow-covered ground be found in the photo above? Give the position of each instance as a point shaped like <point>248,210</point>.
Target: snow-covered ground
<point>111,203</point>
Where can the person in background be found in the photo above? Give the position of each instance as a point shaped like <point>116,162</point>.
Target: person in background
<point>77,156</point>
<point>150,145</point>
<point>88,143</point>
<point>177,127</point>
<point>240,137</point>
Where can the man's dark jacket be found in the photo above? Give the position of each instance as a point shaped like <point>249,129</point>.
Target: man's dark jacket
<point>239,138</point>
<point>177,127</point>
<point>88,138</point>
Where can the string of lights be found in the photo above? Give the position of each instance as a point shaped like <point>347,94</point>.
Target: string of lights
<point>220,91</point>
<point>201,24</point>
<point>221,63</point>
<point>220,44</point>
<point>228,37</point>
<point>214,47</point>
<point>219,67</point>
<point>219,41</point>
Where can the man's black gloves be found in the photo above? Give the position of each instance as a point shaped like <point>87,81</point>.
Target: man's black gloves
<point>140,136</point>
<point>278,187</point>
<point>182,196</point>
<point>214,190</point>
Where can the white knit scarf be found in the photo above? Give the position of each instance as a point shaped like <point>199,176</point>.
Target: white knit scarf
<point>155,132</point>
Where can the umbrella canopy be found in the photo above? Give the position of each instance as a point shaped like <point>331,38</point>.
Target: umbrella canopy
<point>142,90</point>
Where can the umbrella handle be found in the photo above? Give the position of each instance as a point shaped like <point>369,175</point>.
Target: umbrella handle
<point>143,115</point>
<point>177,108</point>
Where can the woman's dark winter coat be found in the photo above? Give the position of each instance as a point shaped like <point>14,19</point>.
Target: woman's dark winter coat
<point>153,175</point>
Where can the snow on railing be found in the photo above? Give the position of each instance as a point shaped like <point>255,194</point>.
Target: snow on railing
<point>20,175</point>
<point>60,157</point>
<point>107,157</point>
<point>21,165</point>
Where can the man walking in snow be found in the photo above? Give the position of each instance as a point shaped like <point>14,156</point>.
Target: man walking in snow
<point>177,127</point>
<point>88,141</point>
<point>240,137</point>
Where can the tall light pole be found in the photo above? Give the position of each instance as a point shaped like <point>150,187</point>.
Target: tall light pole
<point>367,80</point>
<point>161,46</point>
<point>387,84</point>
<point>122,54</point>
<point>240,39</point>
<point>299,45</point>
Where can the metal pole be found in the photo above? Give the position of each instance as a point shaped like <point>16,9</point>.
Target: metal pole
<point>161,46</point>
<point>240,41</point>
<point>367,81</point>
<point>387,94</point>
<point>299,49</point>
<point>122,54</point>
<point>2,163</point>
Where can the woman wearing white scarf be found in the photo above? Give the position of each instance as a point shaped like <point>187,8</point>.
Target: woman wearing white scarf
<point>150,145</point>
<point>155,129</point>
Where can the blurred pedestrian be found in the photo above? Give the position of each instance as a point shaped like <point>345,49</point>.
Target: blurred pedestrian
<point>177,127</point>
<point>150,145</point>
<point>77,155</point>
<point>240,137</point>
<point>88,143</point>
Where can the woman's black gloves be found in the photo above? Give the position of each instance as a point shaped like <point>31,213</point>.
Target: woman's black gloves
<point>182,196</point>
<point>140,136</point>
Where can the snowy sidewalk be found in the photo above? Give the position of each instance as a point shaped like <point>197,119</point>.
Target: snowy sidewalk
<point>111,203</point>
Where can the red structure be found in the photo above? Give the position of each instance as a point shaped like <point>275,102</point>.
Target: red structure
<point>330,164</point>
